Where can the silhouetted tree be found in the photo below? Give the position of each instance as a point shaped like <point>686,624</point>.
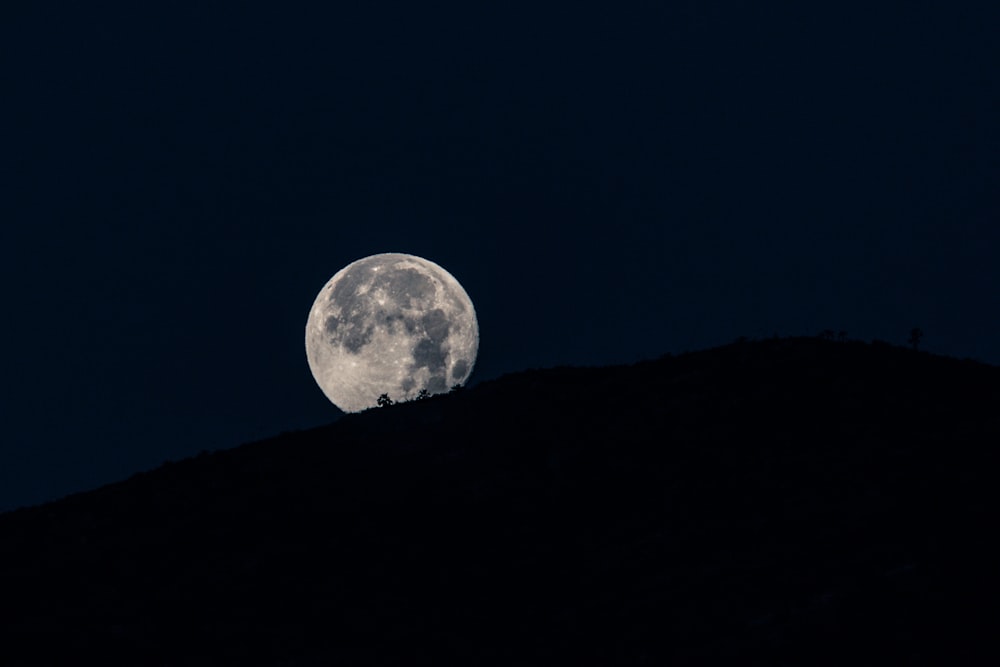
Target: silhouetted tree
<point>422,394</point>
<point>826,334</point>
<point>384,401</point>
<point>916,334</point>
<point>842,336</point>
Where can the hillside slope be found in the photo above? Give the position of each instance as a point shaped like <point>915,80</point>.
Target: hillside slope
<point>790,501</point>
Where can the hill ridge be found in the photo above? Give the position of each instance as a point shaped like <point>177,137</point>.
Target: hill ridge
<point>775,501</point>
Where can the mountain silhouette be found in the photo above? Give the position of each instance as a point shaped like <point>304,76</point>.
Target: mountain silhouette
<point>788,501</point>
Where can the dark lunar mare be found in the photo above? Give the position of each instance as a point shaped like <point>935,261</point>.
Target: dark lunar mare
<point>404,286</point>
<point>351,329</point>
<point>431,351</point>
<point>437,385</point>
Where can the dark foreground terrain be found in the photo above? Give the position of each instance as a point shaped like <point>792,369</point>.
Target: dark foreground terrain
<point>785,502</point>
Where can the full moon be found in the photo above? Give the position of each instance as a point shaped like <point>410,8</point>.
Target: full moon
<point>390,324</point>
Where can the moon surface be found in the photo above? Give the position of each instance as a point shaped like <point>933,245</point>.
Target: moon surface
<point>391,324</point>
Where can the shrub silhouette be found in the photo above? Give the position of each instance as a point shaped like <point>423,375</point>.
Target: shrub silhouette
<point>422,394</point>
<point>916,334</point>
<point>384,401</point>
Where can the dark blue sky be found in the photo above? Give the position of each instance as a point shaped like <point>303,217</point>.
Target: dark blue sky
<point>609,182</point>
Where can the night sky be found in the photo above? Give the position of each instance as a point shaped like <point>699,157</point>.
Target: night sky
<point>608,181</point>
